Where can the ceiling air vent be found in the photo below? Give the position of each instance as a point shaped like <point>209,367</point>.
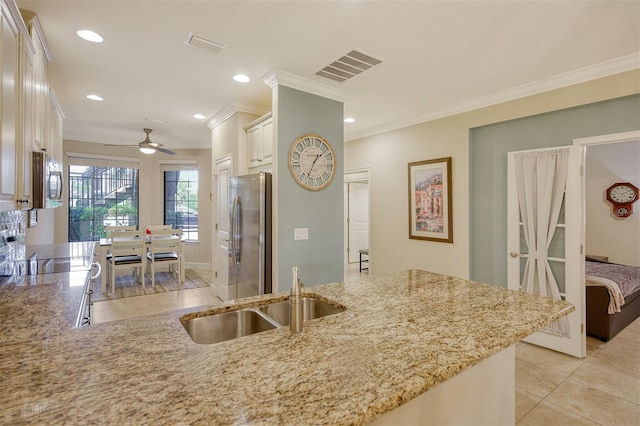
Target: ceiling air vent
<point>200,42</point>
<point>350,65</point>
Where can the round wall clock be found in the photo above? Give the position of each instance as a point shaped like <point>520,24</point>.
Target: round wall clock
<point>312,162</point>
<point>622,195</point>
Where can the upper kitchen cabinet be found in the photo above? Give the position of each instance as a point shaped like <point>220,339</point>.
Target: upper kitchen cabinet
<point>31,117</point>
<point>47,114</point>
<point>260,142</point>
<point>8,105</point>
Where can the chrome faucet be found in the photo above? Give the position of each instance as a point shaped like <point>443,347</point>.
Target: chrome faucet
<point>295,304</point>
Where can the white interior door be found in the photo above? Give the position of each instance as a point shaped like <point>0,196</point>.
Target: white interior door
<point>221,251</point>
<point>358,219</point>
<point>564,254</point>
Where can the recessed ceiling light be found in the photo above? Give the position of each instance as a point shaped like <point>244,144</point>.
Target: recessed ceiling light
<point>241,78</point>
<point>349,120</point>
<point>199,116</point>
<point>90,36</point>
<point>95,97</point>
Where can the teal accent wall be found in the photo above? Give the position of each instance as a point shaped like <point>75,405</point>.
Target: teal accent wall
<point>320,259</point>
<point>488,147</point>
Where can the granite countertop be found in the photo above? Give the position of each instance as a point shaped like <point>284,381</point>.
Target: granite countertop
<point>38,306</point>
<point>401,334</point>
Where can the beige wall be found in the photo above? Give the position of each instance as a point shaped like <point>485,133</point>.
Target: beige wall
<point>197,254</point>
<point>388,154</point>
<point>606,234</point>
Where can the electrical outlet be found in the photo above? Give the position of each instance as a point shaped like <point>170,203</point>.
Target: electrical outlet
<point>301,233</point>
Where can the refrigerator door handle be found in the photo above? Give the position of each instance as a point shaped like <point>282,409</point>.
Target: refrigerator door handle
<point>233,246</point>
<point>237,227</point>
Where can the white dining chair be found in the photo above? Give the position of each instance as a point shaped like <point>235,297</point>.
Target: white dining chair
<point>115,228</point>
<point>158,227</point>
<point>127,250</point>
<point>166,249</point>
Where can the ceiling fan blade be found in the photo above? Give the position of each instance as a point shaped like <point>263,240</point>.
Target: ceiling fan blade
<point>166,151</point>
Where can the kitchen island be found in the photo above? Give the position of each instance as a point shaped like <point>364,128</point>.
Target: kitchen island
<point>401,335</point>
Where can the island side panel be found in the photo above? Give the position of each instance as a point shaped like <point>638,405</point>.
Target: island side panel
<point>481,395</point>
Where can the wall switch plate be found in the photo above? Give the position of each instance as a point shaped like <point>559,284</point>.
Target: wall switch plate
<point>300,233</point>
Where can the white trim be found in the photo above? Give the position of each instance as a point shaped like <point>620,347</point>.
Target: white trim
<point>233,108</point>
<point>70,154</point>
<point>631,136</point>
<point>53,99</point>
<point>278,77</point>
<point>582,75</point>
<point>37,27</point>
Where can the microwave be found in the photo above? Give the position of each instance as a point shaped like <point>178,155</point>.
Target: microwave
<point>47,181</point>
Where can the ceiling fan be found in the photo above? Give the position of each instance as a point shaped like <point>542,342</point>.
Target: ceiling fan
<point>148,147</point>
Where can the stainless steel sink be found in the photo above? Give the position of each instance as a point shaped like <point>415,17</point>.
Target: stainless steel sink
<point>312,308</point>
<point>226,326</point>
<point>218,328</point>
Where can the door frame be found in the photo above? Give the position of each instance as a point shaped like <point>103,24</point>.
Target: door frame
<point>356,175</point>
<point>214,216</point>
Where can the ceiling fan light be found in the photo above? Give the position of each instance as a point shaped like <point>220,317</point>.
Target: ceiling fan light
<point>147,150</point>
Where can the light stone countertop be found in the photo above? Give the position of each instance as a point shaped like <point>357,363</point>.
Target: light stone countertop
<point>401,334</point>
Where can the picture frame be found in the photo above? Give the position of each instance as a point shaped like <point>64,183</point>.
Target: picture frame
<point>431,200</point>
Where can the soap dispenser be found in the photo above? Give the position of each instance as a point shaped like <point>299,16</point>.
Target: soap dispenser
<point>295,304</point>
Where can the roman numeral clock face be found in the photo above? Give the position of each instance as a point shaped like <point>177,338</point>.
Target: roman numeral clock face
<point>312,162</point>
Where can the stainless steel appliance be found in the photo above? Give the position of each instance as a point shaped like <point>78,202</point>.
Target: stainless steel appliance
<point>250,235</point>
<point>46,182</point>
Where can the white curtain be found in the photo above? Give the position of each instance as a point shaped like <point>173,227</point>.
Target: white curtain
<point>540,178</point>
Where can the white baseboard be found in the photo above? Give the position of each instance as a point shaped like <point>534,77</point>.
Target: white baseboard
<point>197,266</point>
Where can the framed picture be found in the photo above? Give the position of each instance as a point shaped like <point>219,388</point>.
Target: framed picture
<point>430,200</point>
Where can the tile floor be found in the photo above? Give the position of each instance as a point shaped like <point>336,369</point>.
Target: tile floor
<point>601,389</point>
<point>551,388</point>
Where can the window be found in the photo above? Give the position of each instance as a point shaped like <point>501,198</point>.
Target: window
<point>100,196</point>
<point>181,201</point>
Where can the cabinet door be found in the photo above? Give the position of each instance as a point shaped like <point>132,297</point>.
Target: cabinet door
<point>9,73</point>
<point>41,93</point>
<point>253,146</point>
<point>267,141</point>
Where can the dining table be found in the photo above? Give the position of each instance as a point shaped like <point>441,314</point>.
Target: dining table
<point>103,251</point>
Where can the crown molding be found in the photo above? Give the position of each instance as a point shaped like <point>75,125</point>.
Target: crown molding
<point>582,75</point>
<point>282,78</point>
<point>233,108</point>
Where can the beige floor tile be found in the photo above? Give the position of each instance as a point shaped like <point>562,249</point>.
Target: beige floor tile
<point>601,376</point>
<point>624,358</point>
<point>98,317</point>
<point>545,414</point>
<point>204,291</point>
<point>594,404</point>
<point>593,345</point>
<point>102,306</point>
<point>556,362</point>
<point>524,403</point>
<point>181,303</point>
<point>536,380</point>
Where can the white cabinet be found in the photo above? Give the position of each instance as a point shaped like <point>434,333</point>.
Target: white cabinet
<point>260,141</point>
<point>31,117</point>
<point>8,107</point>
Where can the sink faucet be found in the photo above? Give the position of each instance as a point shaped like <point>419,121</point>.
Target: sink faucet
<point>295,304</point>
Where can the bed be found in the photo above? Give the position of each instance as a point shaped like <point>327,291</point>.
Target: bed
<point>613,297</point>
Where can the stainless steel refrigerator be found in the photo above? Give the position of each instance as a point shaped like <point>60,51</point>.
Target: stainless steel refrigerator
<point>250,235</point>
